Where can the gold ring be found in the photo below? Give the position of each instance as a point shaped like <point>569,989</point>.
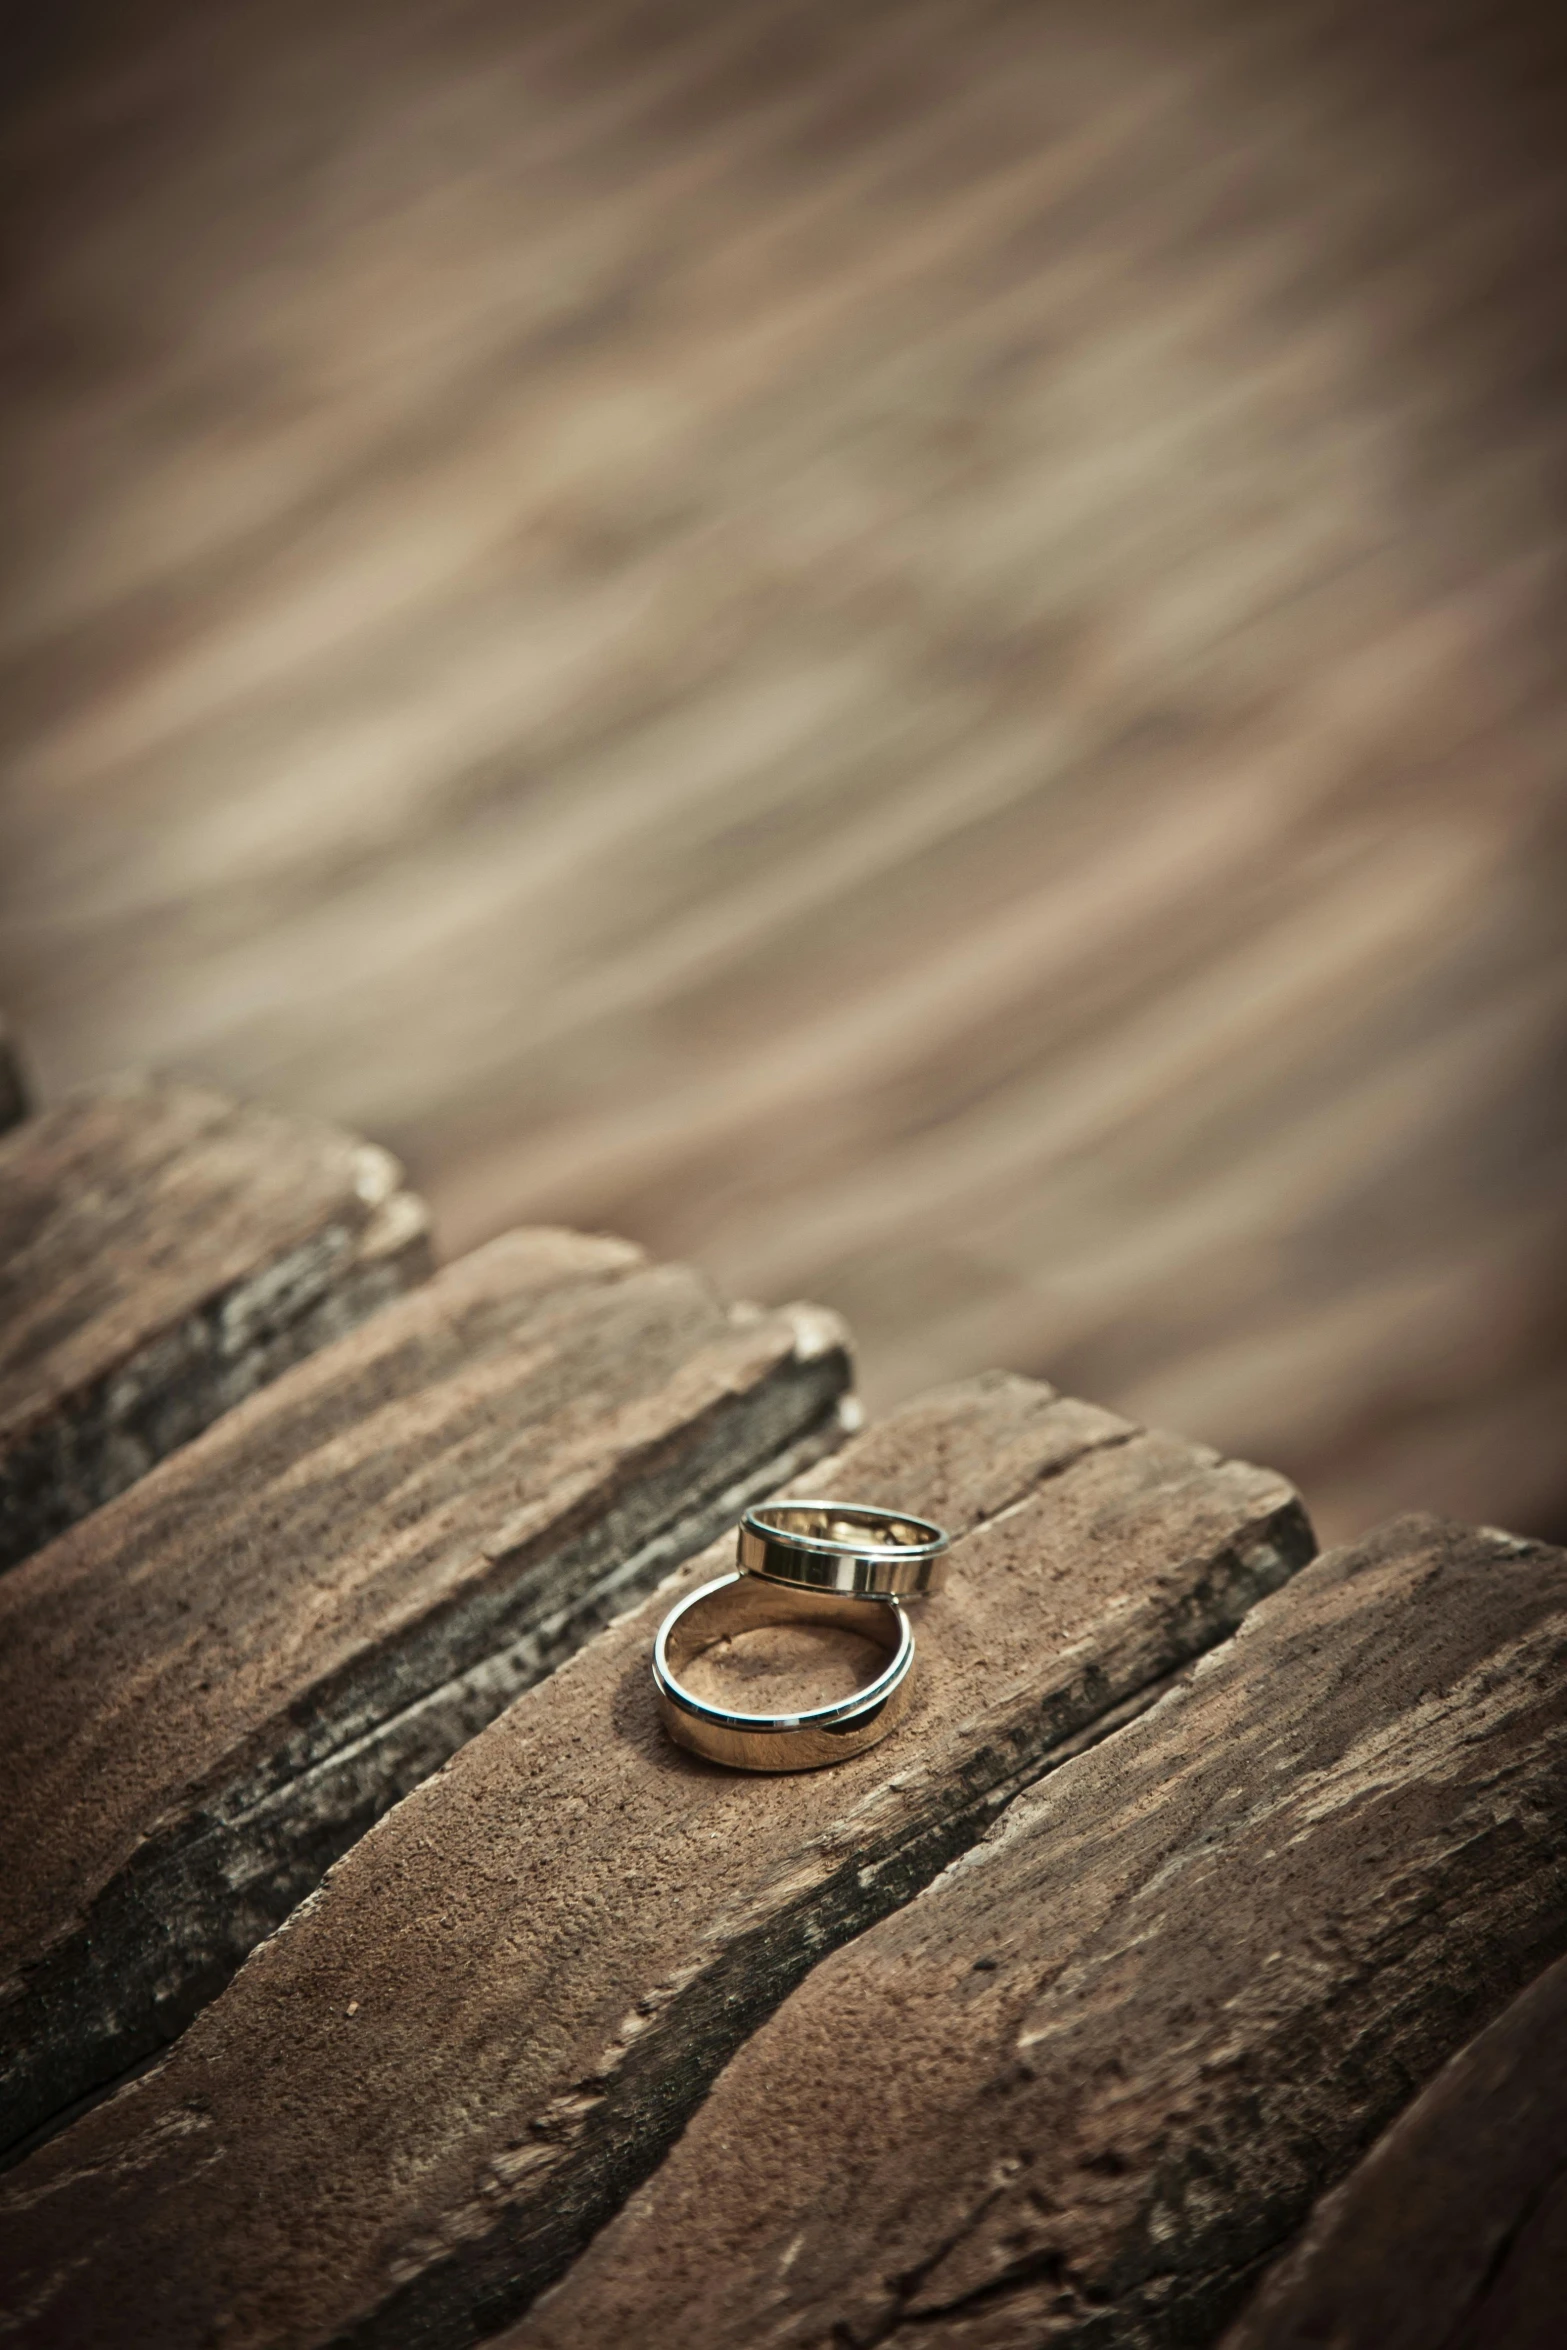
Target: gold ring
<point>779,1742</point>
<point>844,1546</point>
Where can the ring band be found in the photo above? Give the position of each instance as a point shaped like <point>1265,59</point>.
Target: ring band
<point>849,1547</point>
<point>779,1742</point>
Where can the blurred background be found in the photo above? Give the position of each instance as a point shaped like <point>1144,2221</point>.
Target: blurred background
<point>913,650</point>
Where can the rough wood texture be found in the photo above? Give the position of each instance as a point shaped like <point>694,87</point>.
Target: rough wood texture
<point>508,1997</point>
<point>912,649</point>
<point>13,1086</point>
<point>1452,2234</point>
<point>212,1686</point>
<point>1076,2091</point>
<point>164,1252</point>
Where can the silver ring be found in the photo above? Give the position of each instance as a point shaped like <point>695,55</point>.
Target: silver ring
<point>779,1742</point>
<point>844,1546</point>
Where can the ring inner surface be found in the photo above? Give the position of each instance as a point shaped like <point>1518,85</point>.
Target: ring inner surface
<point>857,1528</point>
<point>765,1680</point>
<point>748,1603</point>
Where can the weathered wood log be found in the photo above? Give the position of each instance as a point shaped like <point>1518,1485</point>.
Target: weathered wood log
<point>1452,2234</point>
<point>164,1252</point>
<point>1082,2086</point>
<point>506,2000</point>
<point>212,1686</point>
<point>13,1085</point>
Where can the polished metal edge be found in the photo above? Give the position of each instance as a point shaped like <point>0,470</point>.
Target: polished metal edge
<point>817,1562</point>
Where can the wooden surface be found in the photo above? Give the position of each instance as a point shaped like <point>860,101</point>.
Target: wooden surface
<point>215,1684</point>
<point>912,650</point>
<point>1074,2092</point>
<point>1452,2234</point>
<point>509,1996</point>
<point>164,1251</point>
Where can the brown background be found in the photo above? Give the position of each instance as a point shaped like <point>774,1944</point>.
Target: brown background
<point>913,650</point>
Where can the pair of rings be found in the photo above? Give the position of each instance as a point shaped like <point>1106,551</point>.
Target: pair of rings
<point>803,1562</point>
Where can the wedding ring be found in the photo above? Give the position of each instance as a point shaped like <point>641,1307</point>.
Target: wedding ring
<point>779,1742</point>
<point>844,1546</point>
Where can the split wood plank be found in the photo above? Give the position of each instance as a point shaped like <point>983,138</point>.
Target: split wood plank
<point>1452,2234</point>
<point>507,1999</point>
<point>164,1251</point>
<point>1076,2092</point>
<point>215,1684</point>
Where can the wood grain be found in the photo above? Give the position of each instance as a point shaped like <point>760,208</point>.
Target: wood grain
<point>1076,2091</point>
<point>510,1995</point>
<point>1452,2234</point>
<point>164,1251</point>
<point>912,650</point>
<point>210,1688</point>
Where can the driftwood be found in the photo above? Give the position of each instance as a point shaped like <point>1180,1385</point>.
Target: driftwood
<point>211,1687</point>
<point>165,1251</point>
<point>1452,2234</point>
<point>1081,2087</point>
<point>417,2100</point>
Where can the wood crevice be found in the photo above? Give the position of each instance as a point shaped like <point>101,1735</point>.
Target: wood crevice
<point>706,1410</point>
<point>116,1350</point>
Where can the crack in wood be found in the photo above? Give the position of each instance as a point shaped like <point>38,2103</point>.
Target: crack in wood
<point>733,1410</point>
